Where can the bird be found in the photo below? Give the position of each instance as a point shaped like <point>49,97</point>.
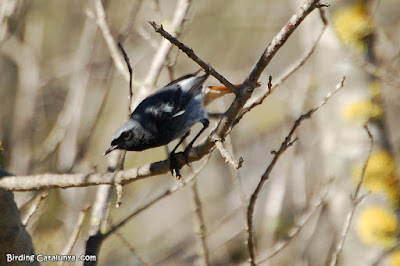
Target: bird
<point>164,116</point>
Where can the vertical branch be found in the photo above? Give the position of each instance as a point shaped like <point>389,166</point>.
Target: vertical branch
<point>163,51</point>
<point>74,236</point>
<point>111,44</point>
<point>24,107</point>
<point>69,121</point>
<point>201,227</point>
<point>116,159</point>
<point>31,207</point>
<point>128,64</point>
<point>355,201</point>
<point>101,206</point>
<point>288,142</point>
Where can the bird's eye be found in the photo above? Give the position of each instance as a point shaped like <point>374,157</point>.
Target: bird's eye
<point>128,135</point>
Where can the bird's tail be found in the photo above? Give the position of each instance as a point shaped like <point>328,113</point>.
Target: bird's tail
<point>214,92</point>
<point>192,85</point>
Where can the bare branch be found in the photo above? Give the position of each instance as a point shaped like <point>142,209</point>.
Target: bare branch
<point>74,236</point>
<point>355,201</point>
<point>190,53</point>
<point>130,247</point>
<point>195,154</point>
<point>31,207</point>
<point>163,50</point>
<point>289,72</point>
<point>101,206</point>
<point>163,195</point>
<point>128,64</point>
<point>165,47</point>
<point>316,202</point>
<point>201,226</point>
<point>225,154</point>
<point>284,146</point>
<point>111,44</point>
<point>280,39</point>
<point>360,180</point>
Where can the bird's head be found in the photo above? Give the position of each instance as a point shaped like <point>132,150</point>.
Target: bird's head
<point>126,137</point>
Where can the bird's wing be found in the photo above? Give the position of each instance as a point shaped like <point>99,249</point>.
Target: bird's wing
<point>162,105</point>
<point>171,101</point>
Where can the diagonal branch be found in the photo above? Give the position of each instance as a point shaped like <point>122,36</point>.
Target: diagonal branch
<point>280,39</point>
<point>288,142</point>
<point>37,182</point>
<point>111,44</point>
<point>289,72</point>
<point>355,201</point>
<point>190,53</point>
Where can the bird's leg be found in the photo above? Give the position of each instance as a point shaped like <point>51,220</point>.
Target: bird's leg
<point>172,159</point>
<point>205,123</point>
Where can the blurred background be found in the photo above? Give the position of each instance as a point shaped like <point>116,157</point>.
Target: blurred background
<point>61,99</point>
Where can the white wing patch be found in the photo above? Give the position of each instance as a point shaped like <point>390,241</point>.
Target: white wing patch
<point>179,113</point>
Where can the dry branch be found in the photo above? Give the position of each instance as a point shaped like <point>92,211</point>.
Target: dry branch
<point>74,236</point>
<point>190,53</point>
<point>200,227</point>
<point>288,72</point>
<point>288,142</point>
<point>316,203</point>
<point>31,207</point>
<point>36,182</point>
<point>355,201</point>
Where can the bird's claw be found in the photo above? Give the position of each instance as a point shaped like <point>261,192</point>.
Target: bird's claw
<point>173,166</point>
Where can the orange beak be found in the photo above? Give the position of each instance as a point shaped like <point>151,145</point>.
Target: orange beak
<point>215,92</point>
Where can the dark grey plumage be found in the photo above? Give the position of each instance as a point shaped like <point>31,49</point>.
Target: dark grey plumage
<point>164,116</point>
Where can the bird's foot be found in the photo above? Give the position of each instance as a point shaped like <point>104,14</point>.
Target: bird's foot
<point>174,166</point>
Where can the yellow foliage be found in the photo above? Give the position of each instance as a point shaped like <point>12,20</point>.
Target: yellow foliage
<point>380,176</point>
<point>375,89</point>
<point>378,226</point>
<point>395,258</point>
<point>363,111</point>
<point>353,23</point>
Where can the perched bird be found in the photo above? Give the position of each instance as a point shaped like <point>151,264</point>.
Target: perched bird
<point>164,116</point>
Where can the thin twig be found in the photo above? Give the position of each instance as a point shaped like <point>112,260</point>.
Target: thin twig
<point>32,209</point>
<point>104,88</point>
<point>355,201</point>
<point>284,146</point>
<point>128,64</point>
<point>201,227</point>
<point>190,53</point>
<point>195,154</point>
<point>316,202</point>
<point>360,180</point>
<point>111,44</point>
<point>67,123</point>
<point>168,192</point>
<point>74,236</point>
<point>128,245</point>
<point>101,206</point>
<point>288,72</point>
<point>280,39</point>
<point>227,156</point>
<point>163,50</point>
